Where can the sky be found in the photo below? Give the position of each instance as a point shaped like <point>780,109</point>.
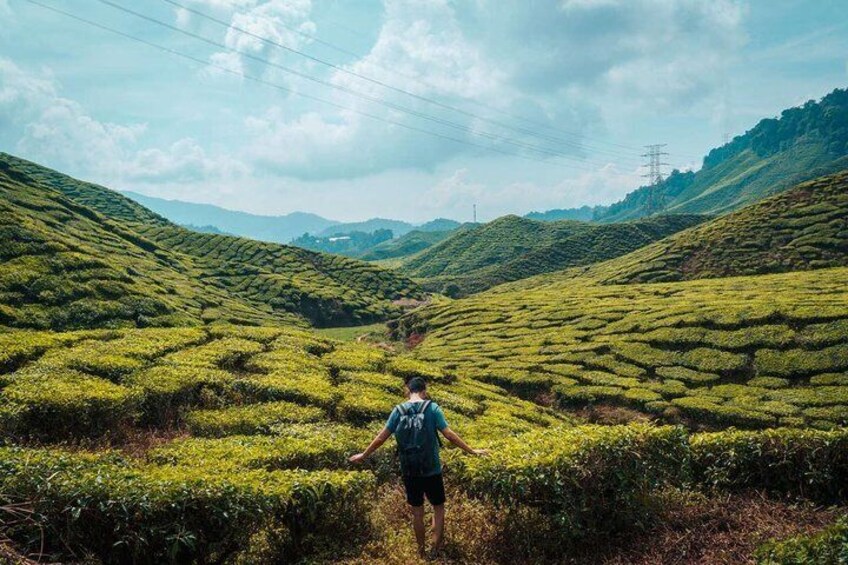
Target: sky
<point>407,109</point>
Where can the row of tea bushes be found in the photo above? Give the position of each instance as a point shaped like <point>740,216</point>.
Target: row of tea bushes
<point>807,463</point>
<point>289,495</point>
<point>124,511</point>
<point>589,478</point>
<point>225,380</point>
<point>827,547</point>
<point>752,352</point>
<point>563,483</point>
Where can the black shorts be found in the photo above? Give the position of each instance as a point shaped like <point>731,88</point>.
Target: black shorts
<point>417,487</point>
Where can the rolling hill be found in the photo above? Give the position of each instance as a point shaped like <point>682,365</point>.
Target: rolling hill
<point>511,248</point>
<point>803,228</point>
<point>803,143</point>
<point>409,244</point>
<point>686,328</point>
<point>77,255</point>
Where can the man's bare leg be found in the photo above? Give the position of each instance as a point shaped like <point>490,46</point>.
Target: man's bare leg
<point>418,526</point>
<point>438,527</point>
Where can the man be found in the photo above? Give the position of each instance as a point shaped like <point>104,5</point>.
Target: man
<point>416,424</point>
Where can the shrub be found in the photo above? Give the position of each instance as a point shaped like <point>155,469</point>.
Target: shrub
<point>590,479</point>
<point>306,386</point>
<point>124,511</point>
<point>249,419</point>
<point>808,463</point>
<point>65,405</point>
<point>828,547</point>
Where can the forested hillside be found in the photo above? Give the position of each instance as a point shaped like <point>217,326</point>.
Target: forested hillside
<point>511,248</point>
<point>77,255</point>
<point>803,143</point>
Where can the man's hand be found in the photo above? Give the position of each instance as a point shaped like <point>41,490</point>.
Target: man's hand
<point>358,458</point>
<point>480,452</point>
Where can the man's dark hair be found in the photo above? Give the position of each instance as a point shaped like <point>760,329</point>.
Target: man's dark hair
<point>416,384</point>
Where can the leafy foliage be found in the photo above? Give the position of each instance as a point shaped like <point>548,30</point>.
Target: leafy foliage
<point>808,463</point>
<point>829,547</point>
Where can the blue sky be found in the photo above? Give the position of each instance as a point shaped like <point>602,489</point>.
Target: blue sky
<point>527,104</point>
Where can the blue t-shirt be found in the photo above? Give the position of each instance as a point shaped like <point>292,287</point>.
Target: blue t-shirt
<point>438,423</point>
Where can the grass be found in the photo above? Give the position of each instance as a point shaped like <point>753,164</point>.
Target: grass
<point>352,333</point>
<point>77,255</point>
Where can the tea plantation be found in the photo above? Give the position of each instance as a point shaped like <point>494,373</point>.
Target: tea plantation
<point>222,434</point>
<point>78,256</point>
<point>512,248</point>
<point>749,351</point>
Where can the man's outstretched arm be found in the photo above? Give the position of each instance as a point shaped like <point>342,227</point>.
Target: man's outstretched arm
<point>454,438</point>
<point>375,444</point>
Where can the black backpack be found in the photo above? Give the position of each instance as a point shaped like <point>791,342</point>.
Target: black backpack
<point>415,439</point>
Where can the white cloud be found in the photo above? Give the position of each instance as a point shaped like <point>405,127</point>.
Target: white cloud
<point>454,194</point>
<point>60,132</point>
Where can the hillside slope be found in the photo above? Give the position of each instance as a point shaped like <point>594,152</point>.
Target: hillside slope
<point>803,228</point>
<point>804,143</point>
<point>511,248</point>
<point>407,245</point>
<point>754,351</point>
<point>77,255</point>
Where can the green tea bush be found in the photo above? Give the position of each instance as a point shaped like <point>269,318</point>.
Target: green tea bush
<point>292,446</point>
<point>590,479</point>
<point>122,511</point>
<point>67,405</point>
<point>249,419</point>
<point>828,547</point>
<point>808,463</point>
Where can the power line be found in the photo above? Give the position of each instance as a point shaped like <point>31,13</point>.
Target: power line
<point>358,94</point>
<point>294,92</point>
<point>383,84</point>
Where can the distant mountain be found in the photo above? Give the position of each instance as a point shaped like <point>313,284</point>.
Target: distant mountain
<point>512,248</point>
<point>205,229</point>
<point>582,214</point>
<point>279,229</point>
<point>78,255</point>
<point>804,143</point>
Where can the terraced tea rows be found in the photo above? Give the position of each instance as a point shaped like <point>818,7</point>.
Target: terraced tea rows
<point>77,256</point>
<point>218,382</point>
<point>749,351</point>
<point>264,420</point>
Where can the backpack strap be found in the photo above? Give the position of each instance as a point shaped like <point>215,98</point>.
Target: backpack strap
<point>425,405</point>
<point>402,410</point>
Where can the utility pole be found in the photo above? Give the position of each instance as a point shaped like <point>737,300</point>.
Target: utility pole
<point>655,164</point>
<point>475,213</point>
<point>726,138</point>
